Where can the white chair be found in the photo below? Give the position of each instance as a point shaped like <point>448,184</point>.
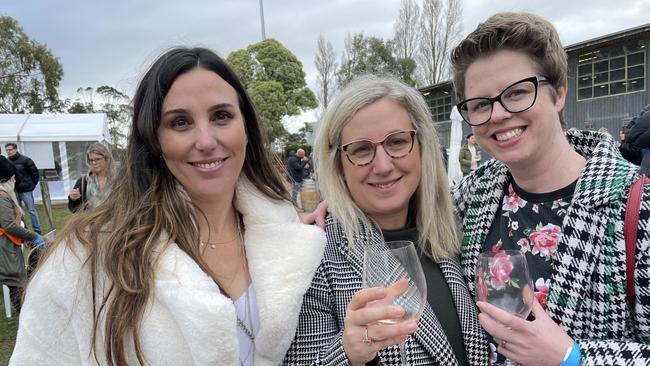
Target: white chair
<point>7,300</point>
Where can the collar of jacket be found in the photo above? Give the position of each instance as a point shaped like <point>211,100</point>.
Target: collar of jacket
<point>283,255</point>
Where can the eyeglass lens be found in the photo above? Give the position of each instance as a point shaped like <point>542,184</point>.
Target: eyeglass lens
<point>396,145</point>
<point>516,98</point>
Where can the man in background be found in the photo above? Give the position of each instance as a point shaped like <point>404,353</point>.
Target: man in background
<point>26,181</point>
<point>469,155</point>
<point>296,166</point>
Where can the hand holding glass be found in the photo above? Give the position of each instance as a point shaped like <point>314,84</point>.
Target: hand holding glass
<point>396,266</point>
<point>502,279</point>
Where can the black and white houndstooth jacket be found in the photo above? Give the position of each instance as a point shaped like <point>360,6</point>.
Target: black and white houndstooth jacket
<point>320,325</point>
<point>587,290</point>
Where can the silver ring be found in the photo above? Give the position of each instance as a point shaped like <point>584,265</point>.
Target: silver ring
<point>366,339</point>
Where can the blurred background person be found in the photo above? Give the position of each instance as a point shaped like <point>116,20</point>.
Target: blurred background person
<point>27,178</point>
<point>469,155</point>
<point>92,188</point>
<point>13,273</point>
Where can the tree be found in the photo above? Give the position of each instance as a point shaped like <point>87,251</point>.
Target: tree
<point>29,72</point>
<point>275,81</point>
<point>440,27</point>
<point>325,62</point>
<point>118,109</point>
<point>406,30</point>
<point>115,104</point>
<point>372,55</point>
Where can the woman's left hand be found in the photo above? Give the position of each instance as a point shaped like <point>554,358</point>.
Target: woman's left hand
<point>537,342</point>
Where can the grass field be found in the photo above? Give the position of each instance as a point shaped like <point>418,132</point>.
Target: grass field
<point>9,326</point>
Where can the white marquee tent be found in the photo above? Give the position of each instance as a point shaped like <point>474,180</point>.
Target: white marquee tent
<point>55,141</point>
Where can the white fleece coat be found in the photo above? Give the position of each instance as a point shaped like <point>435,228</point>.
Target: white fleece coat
<point>188,321</point>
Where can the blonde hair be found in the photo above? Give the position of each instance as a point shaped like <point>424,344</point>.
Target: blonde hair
<point>431,202</point>
<point>9,187</point>
<point>103,151</point>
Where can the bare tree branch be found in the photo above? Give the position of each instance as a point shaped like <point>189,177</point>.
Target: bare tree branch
<point>406,30</point>
<point>325,62</point>
<point>440,26</point>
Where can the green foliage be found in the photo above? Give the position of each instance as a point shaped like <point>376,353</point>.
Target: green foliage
<point>275,80</point>
<point>29,72</point>
<point>115,104</point>
<point>372,55</point>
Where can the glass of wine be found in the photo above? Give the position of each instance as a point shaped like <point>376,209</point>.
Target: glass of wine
<point>502,279</point>
<point>396,266</point>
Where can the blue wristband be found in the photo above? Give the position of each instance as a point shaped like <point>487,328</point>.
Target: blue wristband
<point>574,357</point>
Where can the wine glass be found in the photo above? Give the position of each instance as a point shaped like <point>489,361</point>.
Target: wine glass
<point>396,266</point>
<point>502,279</point>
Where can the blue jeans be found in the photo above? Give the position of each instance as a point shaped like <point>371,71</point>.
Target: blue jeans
<point>28,199</point>
<point>295,191</point>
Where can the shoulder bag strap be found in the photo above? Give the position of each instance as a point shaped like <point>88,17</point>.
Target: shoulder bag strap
<point>630,231</point>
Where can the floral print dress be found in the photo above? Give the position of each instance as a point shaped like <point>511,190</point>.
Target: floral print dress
<point>530,223</point>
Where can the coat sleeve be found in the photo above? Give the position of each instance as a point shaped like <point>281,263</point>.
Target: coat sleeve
<point>8,223</point>
<point>48,331</point>
<point>318,337</point>
<point>32,170</point>
<point>73,205</point>
<point>637,352</point>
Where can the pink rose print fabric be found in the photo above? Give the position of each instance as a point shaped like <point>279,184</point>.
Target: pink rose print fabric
<point>532,224</point>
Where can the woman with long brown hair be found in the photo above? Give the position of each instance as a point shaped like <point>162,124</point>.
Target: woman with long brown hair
<point>197,256</point>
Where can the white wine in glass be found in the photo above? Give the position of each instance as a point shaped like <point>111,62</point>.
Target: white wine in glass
<point>396,266</point>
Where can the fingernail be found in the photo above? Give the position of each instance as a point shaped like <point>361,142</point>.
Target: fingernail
<point>410,326</point>
<point>396,310</point>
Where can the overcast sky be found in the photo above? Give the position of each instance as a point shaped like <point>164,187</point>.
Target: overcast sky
<point>103,42</point>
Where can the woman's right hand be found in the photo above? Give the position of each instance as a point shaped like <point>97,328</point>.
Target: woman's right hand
<point>361,324</point>
<point>74,194</point>
<point>317,217</point>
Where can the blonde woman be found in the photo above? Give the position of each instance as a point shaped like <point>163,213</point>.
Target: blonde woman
<point>93,187</point>
<point>381,171</point>
<point>12,235</point>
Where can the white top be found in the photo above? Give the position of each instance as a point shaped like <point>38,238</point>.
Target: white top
<point>246,308</point>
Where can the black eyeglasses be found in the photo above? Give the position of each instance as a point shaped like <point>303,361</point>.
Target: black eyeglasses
<point>516,98</point>
<point>396,145</point>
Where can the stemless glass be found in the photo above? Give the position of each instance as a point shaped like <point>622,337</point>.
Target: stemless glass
<point>502,279</point>
<point>396,266</point>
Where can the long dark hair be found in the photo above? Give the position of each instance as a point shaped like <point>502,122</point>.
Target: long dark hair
<point>123,235</point>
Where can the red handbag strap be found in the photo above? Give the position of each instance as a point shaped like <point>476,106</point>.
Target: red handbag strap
<point>630,231</point>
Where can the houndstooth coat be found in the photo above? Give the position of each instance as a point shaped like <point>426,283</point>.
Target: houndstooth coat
<point>320,325</point>
<point>587,291</point>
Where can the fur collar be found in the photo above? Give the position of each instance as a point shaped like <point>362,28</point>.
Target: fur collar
<point>283,255</point>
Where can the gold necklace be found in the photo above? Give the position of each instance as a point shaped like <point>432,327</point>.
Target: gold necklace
<point>213,244</point>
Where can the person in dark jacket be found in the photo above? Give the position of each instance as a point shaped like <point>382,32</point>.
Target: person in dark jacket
<point>12,265</point>
<point>637,138</point>
<point>6,167</point>
<point>26,181</point>
<point>296,166</point>
<point>94,186</point>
